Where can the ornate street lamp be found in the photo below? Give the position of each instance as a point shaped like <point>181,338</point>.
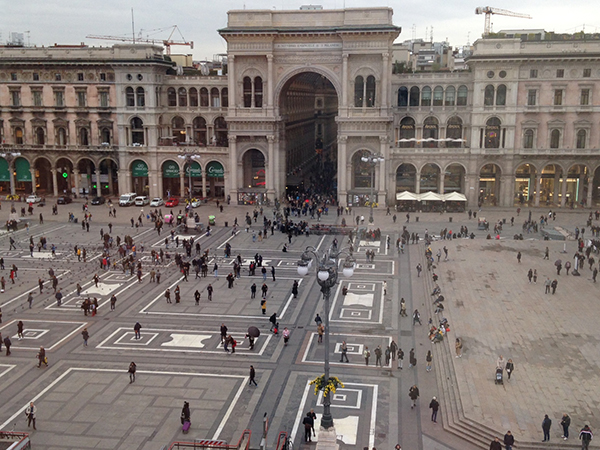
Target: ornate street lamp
<point>327,276</point>
<point>372,160</point>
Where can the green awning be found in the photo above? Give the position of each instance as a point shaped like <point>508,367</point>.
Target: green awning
<point>139,168</point>
<point>4,173</point>
<point>22,168</point>
<point>214,169</point>
<point>196,170</point>
<point>170,169</point>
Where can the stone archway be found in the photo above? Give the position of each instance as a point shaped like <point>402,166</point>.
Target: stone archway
<point>85,178</point>
<point>525,188</point>
<point>552,178</point>
<point>453,179</point>
<point>489,184</point>
<point>406,178</point>
<point>430,178</point>
<point>65,176</point>
<point>43,176</point>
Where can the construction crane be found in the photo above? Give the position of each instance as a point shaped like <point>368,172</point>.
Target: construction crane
<point>488,11</point>
<point>166,42</point>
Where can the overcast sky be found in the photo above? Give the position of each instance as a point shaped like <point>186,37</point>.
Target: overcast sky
<point>70,21</point>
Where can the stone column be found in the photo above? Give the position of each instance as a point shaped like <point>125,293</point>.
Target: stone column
<point>556,186</point>
<point>32,171</point>
<point>538,182</point>
<point>77,180</point>
<point>507,190</point>
<point>588,202</point>
<point>98,184</point>
<point>110,180</point>
<point>442,179</point>
<point>271,167</point>
<point>384,82</point>
<point>160,187</point>
<point>270,82</point>
<point>418,182</point>
<point>382,194</point>
<point>344,99</point>
<point>204,184</point>
<point>54,182</point>
<point>182,184</point>
<point>342,170</point>
<point>233,182</point>
<point>233,100</point>
<point>580,188</point>
<point>11,177</point>
<point>563,191</point>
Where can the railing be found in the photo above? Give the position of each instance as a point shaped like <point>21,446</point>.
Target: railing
<point>20,440</point>
<point>65,148</point>
<point>243,443</point>
<point>282,441</point>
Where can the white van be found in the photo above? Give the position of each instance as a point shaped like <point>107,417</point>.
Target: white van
<point>142,200</point>
<point>127,199</point>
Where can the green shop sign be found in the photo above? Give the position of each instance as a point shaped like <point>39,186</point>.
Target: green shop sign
<point>4,173</point>
<point>170,169</point>
<point>214,169</point>
<point>196,170</point>
<point>22,168</point>
<point>139,169</point>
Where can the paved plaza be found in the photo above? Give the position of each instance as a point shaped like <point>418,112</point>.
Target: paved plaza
<point>85,398</point>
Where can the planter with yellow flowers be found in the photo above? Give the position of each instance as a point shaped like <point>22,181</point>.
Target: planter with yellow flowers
<point>326,386</point>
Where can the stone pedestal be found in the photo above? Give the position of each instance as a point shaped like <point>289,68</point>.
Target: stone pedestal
<point>327,439</point>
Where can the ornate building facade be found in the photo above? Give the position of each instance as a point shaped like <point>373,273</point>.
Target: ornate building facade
<point>305,90</point>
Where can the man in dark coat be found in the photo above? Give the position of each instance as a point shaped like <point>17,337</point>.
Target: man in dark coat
<point>308,423</point>
<point>495,445</point>
<point>546,424</point>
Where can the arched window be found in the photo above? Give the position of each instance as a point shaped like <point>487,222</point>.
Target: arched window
<point>140,97</point>
<point>171,97</point>
<point>450,96</point>
<point>204,98</point>
<point>359,87</point>
<point>247,92</point>
<point>199,127</point>
<point>454,131</point>
<point>40,136</point>
<point>105,135</point>
<point>438,96</point>
<point>193,96</point>
<point>362,170</point>
<point>555,138</point>
<point>426,96</point>
<point>528,138</point>
<point>221,132</point>
<point>492,133</point>
<point>258,92</point>
<point>501,95</point>
<point>182,96</point>
<point>403,96</point>
<point>83,136</point>
<point>581,138</point>
<point>413,100</point>
<point>370,92</point>
<point>225,97</point>
<point>488,96</point>
<point>430,132</point>
<point>178,129</point>
<point>61,136</point>
<point>406,135</point>
<point>18,135</point>
<point>130,97</point>
<point>137,130</point>
<point>462,94</point>
<point>215,100</point>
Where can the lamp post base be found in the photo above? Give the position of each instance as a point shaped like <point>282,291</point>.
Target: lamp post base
<point>327,439</point>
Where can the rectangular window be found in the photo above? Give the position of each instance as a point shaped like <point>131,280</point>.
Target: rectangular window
<point>102,77</point>
<point>558,97</point>
<point>587,73</point>
<point>531,97</point>
<point>36,76</point>
<point>104,99</point>
<point>15,97</point>
<point>585,97</point>
<point>560,73</point>
<point>80,76</point>
<point>81,99</point>
<point>59,99</point>
<point>13,76</point>
<point>533,73</point>
<point>37,98</point>
<point>57,77</point>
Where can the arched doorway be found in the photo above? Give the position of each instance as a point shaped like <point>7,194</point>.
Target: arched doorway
<point>86,182</point>
<point>308,104</point>
<point>430,178</point>
<point>363,180</point>
<point>254,178</point>
<point>454,179</point>
<point>171,179</point>
<point>550,187</point>
<point>215,178</point>
<point>43,176</point>
<point>139,177</point>
<point>65,176</point>
<point>577,185</point>
<point>525,184</point>
<point>109,169</point>
<point>489,184</point>
<point>406,178</point>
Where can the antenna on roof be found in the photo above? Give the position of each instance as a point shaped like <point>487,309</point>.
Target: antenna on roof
<point>132,26</point>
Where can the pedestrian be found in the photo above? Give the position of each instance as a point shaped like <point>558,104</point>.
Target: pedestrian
<point>458,347</point>
<point>313,415</point>
<point>546,424</point>
<point>263,306</point>
<point>168,295</point>
<point>413,393</point>
<point>253,291</point>
<point>264,273</point>
<point>264,289</point>
<point>132,369</point>
<point>378,356</point>
<point>586,436</point>
<point>320,333</point>
<point>286,336</point>
<point>197,297</point>
<point>30,412</point>
<point>519,257</point>
<point>419,269</point>
<point>318,320</point>
<point>496,445</point>
<point>530,275</point>
<point>388,355</point>
<point>273,320</point>
<point>86,335</point>
<point>547,253</point>
<point>428,360</point>
<point>434,405</point>
<point>553,285</point>
<point>384,288</point>
<point>42,357</point>
<point>400,358</point>
<point>30,300</point>
<point>535,276</point>
<point>294,289</point>
<point>510,367</point>
<point>7,344</point>
<point>209,290</point>
<point>547,284</point>
<point>366,355</point>
<point>308,423</point>
<point>20,330</point>
<point>252,376</point>
<point>344,349</point>
<point>273,272</point>
<point>216,270</point>
<point>223,333</point>
<point>509,440</point>
<point>113,302</point>
<point>416,317</point>
<point>136,329</point>
<point>565,422</point>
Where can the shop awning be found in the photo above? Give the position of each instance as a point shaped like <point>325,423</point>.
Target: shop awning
<point>431,197</point>
<point>407,196</point>
<point>22,168</point>
<point>455,197</point>
<point>4,173</point>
